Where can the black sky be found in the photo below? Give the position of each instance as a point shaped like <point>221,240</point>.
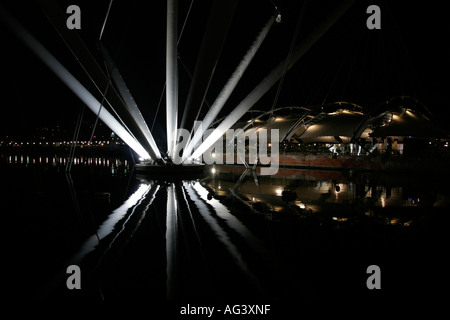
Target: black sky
<point>408,56</point>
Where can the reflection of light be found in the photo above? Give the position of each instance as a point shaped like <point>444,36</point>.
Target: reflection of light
<point>339,219</point>
<point>213,170</point>
<point>171,238</point>
<point>279,191</point>
<point>108,225</point>
<point>232,222</point>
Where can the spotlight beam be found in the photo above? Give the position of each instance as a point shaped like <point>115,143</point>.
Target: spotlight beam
<point>227,90</point>
<point>130,103</point>
<point>94,71</point>
<point>68,79</point>
<point>217,27</point>
<point>272,78</point>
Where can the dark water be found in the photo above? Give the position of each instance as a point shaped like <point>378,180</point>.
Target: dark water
<point>230,236</point>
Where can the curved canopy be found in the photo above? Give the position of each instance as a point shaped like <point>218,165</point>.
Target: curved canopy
<point>407,123</point>
<point>344,124</point>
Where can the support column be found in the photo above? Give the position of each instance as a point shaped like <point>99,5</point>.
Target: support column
<point>171,75</point>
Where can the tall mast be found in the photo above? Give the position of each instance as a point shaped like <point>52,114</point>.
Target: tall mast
<point>171,75</point>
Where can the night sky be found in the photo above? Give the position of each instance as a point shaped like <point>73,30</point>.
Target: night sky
<point>408,56</point>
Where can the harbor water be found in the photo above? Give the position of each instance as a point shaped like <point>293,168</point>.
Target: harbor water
<point>228,236</point>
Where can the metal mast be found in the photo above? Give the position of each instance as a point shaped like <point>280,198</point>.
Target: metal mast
<point>171,75</point>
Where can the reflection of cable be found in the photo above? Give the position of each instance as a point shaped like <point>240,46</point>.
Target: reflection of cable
<point>110,245</point>
<point>197,195</point>
<point>202,252</point>
<point>192,218</point>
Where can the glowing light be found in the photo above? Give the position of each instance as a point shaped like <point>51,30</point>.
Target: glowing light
<point>74,85</point>
<point>132,107</point>
<point>279,191</point>
<point>229,87</point>
<point>196,193</point>
<point>213,170</point>
<point>118,214</point>
<point>339,219</point>
<point>301,206</point>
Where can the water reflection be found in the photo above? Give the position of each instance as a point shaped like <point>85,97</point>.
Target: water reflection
<point>237,234</point>
<point>60,162</point>
<point>333,195</point>
<point>199,195</point>
<point>56,160</point>
<point>145,192</point>
<point>196,226</point>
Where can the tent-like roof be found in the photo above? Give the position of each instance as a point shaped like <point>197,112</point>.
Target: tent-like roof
<point>335,127</point>
<point>283,124</point>
<point>343,122</point>
<point>407,123</point>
